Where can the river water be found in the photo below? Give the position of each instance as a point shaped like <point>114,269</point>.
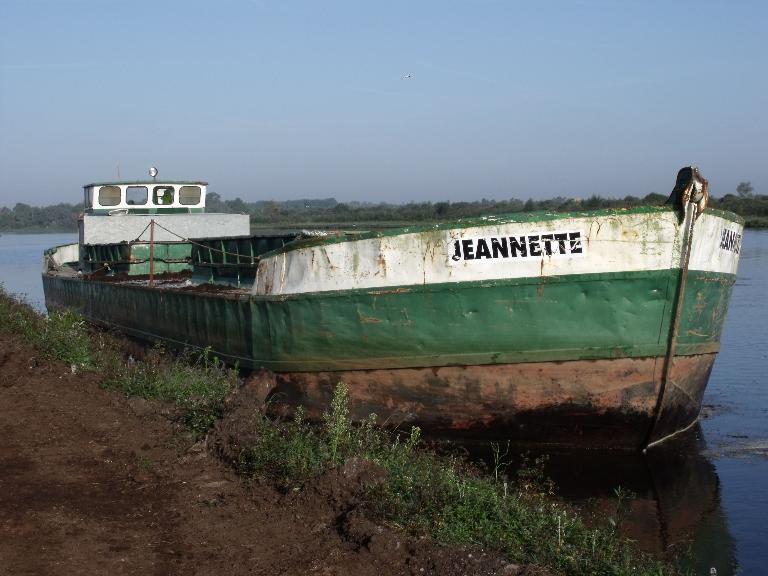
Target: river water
<point>704,498</point>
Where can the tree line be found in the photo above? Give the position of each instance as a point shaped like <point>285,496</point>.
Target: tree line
<point>328,212</point>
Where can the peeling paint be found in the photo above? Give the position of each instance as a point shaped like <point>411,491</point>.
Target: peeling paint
<point>622,242</point>
<point>600,404</point>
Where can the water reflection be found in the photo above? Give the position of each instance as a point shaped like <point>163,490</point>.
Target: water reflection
<point>674,509</point>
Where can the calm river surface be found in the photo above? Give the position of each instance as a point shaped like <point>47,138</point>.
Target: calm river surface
<point>707,495</point>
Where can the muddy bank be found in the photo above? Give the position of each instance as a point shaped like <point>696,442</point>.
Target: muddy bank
<point>93,483</point>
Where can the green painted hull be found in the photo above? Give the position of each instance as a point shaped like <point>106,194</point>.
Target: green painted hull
<point>597,316</point>
<point>561,360</point>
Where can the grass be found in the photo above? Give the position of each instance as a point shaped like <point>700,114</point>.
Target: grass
<point>196,382</point>
<point>442,496</point>
<point>445,497</point>
<point>60,335</point>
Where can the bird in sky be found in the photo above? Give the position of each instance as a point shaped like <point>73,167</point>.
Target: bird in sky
<point>407,76</point>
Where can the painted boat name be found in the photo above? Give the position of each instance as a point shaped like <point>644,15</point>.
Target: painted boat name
<point>525,246</point>
<point>730,241</point>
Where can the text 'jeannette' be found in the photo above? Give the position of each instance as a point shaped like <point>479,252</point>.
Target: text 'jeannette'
<point>730,241</point>
<point>525,246</point>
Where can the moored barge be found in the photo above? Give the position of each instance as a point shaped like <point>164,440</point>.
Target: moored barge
<point>594,328</point>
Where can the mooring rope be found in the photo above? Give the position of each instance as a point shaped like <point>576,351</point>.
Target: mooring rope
<point>692,213</point>
<point>142,232</point>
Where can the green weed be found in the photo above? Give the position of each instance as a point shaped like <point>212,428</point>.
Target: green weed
<point>65,336</point>
<point>288,453</point>
<point>17,317</point>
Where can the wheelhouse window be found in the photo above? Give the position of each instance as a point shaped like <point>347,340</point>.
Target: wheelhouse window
<point>162,195</point>
<point>89,197</point>
<point>190,195</point>
<point>109,195</point>
<point>136,195</point>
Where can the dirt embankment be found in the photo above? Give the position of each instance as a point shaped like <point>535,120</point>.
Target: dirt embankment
<point>92,483</point>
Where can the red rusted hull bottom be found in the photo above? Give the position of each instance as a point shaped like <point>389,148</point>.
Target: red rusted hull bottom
<point>585,403</point>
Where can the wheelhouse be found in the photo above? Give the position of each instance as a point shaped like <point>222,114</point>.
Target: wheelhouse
<point>145,197</point>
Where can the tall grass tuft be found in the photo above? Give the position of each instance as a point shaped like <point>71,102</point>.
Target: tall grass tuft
<point>338,428</point>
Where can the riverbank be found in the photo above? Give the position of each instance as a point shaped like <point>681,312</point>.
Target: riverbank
<point>174,455</point>
<point>328,213</point>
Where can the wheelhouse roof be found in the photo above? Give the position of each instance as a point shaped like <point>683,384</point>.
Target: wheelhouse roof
<point>148,183</point>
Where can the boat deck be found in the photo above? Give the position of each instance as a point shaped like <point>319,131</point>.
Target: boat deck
<point>176,281</point>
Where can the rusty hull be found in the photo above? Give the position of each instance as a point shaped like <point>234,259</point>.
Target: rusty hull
<point>583,403</point>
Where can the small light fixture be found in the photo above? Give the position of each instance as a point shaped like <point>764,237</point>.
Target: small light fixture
<point>153,172</point>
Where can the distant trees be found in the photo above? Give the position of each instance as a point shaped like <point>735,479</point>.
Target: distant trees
<point>753,207</point>
<point>529,205</point>
<point>655,199</point>
<point>745,190</point>
<point>56,218</point>
<point>328,212</point>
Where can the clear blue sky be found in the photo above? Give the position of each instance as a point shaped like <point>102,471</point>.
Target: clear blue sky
<point>294,99</point>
